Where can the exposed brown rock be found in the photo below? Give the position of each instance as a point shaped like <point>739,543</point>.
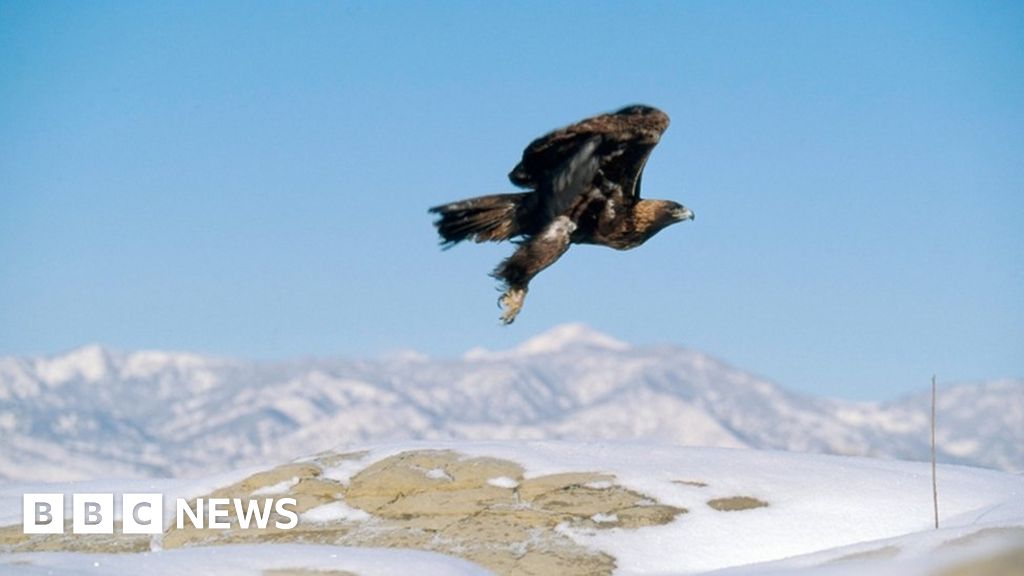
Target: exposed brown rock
<point>480,509</point>
<point>736,503</point>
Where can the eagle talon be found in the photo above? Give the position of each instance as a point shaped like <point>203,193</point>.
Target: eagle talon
<point>511,302</point>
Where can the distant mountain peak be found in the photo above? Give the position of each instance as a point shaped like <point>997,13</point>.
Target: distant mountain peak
<point>561,338</point>
<point>567,336</point>
<point>90,362</point>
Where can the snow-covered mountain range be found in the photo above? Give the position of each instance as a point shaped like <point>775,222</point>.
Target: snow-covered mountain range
<point>95,412</point>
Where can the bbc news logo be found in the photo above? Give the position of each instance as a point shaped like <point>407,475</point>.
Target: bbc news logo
<point>144,513</point>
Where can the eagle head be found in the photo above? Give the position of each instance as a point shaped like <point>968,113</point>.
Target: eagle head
<point>666,213</point>
<point>677,212</point>
<point>652,216</point>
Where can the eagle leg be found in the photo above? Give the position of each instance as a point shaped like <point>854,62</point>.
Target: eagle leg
<point>534,255</point>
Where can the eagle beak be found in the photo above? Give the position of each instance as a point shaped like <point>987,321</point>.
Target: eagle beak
<point>683,213</point>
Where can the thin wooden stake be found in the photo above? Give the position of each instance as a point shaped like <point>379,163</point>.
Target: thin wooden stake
<point>935,485</point>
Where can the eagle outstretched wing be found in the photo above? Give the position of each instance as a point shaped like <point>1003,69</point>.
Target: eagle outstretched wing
<point>611,147</point>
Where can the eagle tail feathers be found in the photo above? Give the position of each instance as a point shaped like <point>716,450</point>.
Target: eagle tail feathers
<point>482,219</point>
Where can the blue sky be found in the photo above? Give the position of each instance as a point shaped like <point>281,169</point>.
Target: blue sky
<point>252,179</point>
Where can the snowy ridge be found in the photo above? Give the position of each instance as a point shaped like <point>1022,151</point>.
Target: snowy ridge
<point>95,412</point>
<point>558,339</point>
<point>569,509</point>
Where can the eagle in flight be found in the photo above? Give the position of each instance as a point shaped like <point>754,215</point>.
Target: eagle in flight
<point>584,188</point>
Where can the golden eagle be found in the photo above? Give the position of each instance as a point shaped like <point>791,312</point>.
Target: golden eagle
<point>584,183</point>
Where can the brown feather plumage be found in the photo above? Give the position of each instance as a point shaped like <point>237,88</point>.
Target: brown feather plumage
<point>584,183</point>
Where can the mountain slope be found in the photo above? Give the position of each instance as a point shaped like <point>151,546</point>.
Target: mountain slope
<point>95,412</point>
